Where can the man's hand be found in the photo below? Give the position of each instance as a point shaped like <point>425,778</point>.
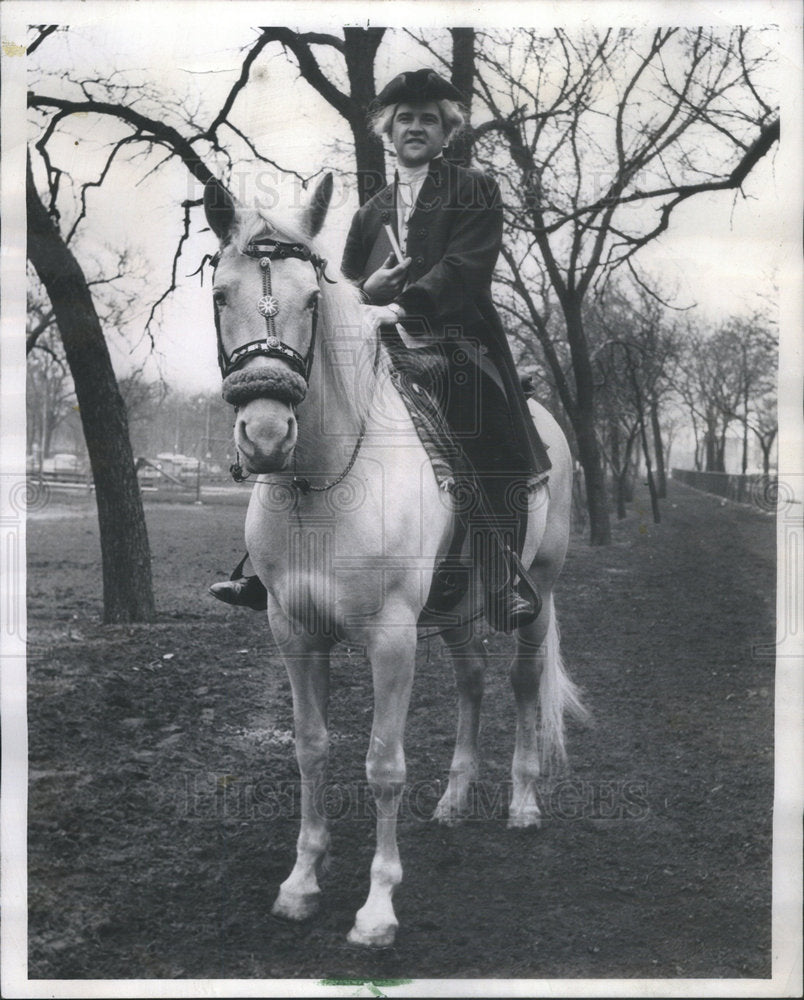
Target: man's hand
<point>386,283</point>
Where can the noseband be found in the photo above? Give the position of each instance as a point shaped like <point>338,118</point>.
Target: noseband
<point>241,386</point>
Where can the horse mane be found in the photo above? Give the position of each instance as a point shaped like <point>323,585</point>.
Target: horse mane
<point>340,314</point>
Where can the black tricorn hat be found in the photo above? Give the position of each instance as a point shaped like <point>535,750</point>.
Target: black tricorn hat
<point>418,85</point>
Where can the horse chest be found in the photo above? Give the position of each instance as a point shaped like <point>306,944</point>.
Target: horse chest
<point>318,557</point>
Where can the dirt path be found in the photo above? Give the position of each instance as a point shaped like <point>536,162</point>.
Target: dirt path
<point>163,782</point>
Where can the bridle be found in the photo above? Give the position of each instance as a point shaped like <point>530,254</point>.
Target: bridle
<point>292,387</point>
<point>266,250</point>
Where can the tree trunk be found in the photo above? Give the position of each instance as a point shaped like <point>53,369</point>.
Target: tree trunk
<point>766,444</point>
<point>360,49</point>
<point>625,484</point>
<point>127,588</point>
<point>583,419</point>
<point>711,448</point>
<point>594,479</point>
<point>633,473</point>
<point>658,447</point>
<point>745,420</point>
<point>721,452</point>
<point>615,463</point>
<point>463,77</point>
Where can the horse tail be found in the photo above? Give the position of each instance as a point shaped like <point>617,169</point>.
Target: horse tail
<point>558,697</point>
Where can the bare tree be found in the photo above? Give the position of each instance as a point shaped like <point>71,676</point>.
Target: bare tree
<point>352,101</point>
<point>726,377</point>
<point>49,396</point>
<point>756,348</point>
<point>173,131</point>
<point>608,133</point>
<point>764,422</point>
<point>597,138</point>
<point>127,587</point>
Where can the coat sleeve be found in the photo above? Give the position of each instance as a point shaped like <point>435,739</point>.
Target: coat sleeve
<point>354,255</point>
<point>467,265</point>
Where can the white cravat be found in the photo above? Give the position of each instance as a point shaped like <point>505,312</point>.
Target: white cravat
<point>408,185</point>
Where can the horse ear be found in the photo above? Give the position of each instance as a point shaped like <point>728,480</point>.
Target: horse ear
<point>316,211</point>
<point>219,208</point>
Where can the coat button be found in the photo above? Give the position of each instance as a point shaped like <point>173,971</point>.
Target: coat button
<point>421,233</point>
<point>420,261</point>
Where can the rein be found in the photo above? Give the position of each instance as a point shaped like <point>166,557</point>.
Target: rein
<point>240,387</point>
<point>303,485</point>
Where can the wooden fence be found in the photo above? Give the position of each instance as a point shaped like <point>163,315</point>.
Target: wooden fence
<point>756,489</point>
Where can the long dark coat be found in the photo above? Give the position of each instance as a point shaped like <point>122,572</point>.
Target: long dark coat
<point>454,239</point>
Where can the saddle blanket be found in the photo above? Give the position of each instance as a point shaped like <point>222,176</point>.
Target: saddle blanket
<point>414,373</point>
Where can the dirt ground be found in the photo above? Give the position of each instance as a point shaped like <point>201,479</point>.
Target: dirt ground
<point>164,797</point>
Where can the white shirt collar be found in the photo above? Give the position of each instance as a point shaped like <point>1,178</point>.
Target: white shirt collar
<point>410,175</point>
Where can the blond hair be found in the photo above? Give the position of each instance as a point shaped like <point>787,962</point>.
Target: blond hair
<point>453,118</point>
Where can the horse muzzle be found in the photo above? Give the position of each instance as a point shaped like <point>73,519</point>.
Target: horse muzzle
<point>265,433</point>
<point>265,427</point>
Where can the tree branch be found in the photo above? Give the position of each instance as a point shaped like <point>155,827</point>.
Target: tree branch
<point>44,31</point>
<point>33,334</point>
<point>242,80</point>
<point>310,69</point>
<point>161,133</point>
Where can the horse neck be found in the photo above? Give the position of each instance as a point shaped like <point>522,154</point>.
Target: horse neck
<point>341,388</point>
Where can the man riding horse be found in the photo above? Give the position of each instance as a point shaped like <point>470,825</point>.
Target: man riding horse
<point>434,307</point>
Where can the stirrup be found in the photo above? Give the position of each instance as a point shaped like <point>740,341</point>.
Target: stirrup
<point>524,584</point>
<point>507,611</point>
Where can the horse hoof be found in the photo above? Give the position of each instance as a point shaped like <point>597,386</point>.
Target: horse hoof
<point>296,907</point>
<point>382,937</point>
<point>527,819</point>
<point>446,815</point>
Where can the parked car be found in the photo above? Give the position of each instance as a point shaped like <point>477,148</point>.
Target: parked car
<point>62,462</point>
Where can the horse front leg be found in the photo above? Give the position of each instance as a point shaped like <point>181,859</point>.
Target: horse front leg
<point>469,662</point>
<point>392,653</point>
<point>308,668</point>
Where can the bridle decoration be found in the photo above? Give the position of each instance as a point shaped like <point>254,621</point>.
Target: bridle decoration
<point>265,250</point>
<point>240,387</point>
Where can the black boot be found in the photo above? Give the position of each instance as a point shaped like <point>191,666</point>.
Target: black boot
<point>505,608</point>
<point>511,599</point>
<point>242,591</point>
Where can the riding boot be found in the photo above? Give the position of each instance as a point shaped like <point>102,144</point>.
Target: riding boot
<point>241,591</point>
<point>505,608</point>
<point>478,414</point>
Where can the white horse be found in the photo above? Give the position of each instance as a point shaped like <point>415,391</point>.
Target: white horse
<point>345,526</point>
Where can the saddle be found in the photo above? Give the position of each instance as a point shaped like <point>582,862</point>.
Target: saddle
<point>416,374</point>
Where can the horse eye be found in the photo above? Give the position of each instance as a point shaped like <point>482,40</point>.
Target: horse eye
<point>219,298</point>
<point>311,301</point>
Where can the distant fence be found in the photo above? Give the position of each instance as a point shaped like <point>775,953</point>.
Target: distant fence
<point>208,488</point>
<point>757,489</point>
<point>65,480</point>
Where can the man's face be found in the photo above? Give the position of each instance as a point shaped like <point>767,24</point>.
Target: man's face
<point>417,132</point>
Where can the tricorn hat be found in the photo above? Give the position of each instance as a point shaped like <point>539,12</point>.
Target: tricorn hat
<point>418,85</point>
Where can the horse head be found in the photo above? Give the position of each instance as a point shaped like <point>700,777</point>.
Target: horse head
<point>266,291</point>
